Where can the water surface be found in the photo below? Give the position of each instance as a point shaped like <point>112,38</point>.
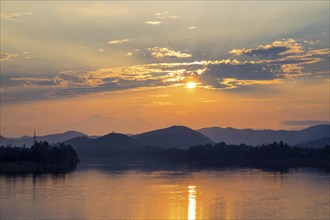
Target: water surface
<point>117,191</point>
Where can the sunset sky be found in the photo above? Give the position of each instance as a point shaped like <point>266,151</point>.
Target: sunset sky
<point>130,67</point>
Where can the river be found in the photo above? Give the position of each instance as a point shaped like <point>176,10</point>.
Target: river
<point>101,190</point>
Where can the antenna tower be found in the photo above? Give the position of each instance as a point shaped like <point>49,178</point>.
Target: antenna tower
<point>34,136</point>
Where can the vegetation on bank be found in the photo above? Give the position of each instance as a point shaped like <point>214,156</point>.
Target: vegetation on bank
<point>40,158</point>
<point>276,155</point>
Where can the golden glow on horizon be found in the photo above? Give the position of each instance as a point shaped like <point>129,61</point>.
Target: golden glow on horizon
<point>191,85</point>
<point>159,108</point>
<point>192,203</point>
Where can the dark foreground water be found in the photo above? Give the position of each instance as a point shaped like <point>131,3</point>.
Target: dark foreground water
<point>100,190</point>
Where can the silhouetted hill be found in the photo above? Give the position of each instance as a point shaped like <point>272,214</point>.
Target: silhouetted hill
<point>54,138</point>
<point>51,138</point>
<point>257,137</point>
<point>172,137</point>
<point>79,141</point>
<point>105,146</point>
<point>3,140</point>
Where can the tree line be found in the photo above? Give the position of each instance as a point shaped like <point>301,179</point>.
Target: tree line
<point>275,155</point>
<point>267,156</point>
<point>40,156</point>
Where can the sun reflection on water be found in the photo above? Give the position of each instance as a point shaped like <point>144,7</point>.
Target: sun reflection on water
<point>192,202</point>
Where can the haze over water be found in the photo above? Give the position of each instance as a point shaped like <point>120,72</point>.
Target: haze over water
<point>104,191</point>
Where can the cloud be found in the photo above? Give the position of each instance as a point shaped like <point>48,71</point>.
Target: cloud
<point>7,56</point>
<point>162,103</point>
<point>63,79</point>
<point>12,56</point>
<point>192,27</point>
<point>129,54</point>
<point>160,52</point>
<point>12,16</point>
<point>304,122</point>
<point>285,58</point>
<point>260,100</point>
<point>311,42</point>
<point>77,78</point>
<point>224,74</point>
<point>107,80</point>
<point>160,17</point>
<point>119,41</point>
<point>165,15</point>
<point>160,96</point>
<point>278,48</point>
<point>154,22</point>
<point>34,82</point>
<point>234,82</point>
<point>208,100</point>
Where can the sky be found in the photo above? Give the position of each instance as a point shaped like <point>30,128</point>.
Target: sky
<point>135,66</point>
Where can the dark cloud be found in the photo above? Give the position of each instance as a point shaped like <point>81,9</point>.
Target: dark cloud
<point>271,52</point>
<point>274,50</point>
<point>246,71</point>
<point>273,64</point>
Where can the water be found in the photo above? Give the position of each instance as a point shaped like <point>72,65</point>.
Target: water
<point>131,191</point>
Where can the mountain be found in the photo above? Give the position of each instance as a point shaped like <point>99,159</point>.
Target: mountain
<point>175,136</point>
<point>257,137</point>
<point>105,146</point>
<point>116,140</point>
<point>54,138</point>
<point>4,141</point>
<point>51,138</point>
<point>180,137</point>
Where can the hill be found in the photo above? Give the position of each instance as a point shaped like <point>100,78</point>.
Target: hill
<point>51,138</point>
<point>105,146</point>
<point>4,141</point>
<point>257,137</point>
<point>172,137</point>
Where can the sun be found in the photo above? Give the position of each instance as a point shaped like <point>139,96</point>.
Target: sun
<point>191,85</point>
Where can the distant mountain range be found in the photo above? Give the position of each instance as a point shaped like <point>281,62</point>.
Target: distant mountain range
<point>179,137</point>
<point>258,137</point>
<point>51,138</point>
<point>173,137</point>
